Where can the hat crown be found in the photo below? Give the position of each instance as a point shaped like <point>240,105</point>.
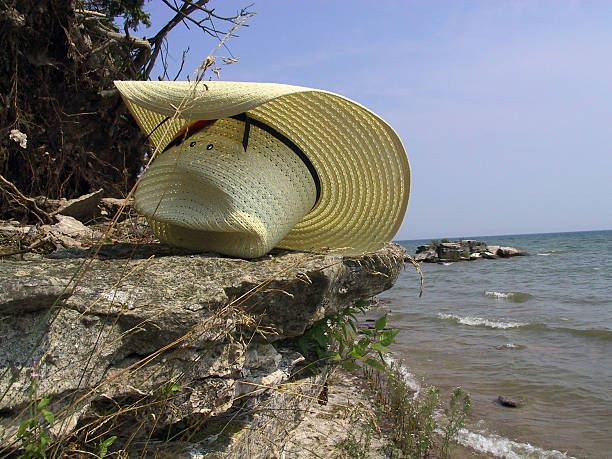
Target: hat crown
<point>208,193</point>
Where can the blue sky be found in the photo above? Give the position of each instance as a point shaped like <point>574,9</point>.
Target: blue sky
<point>505,108</point>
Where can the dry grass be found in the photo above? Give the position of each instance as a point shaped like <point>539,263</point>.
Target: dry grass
<point>86,439</point>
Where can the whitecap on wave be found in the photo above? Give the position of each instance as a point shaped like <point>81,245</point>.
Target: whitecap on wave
<point>504,447</point>
<point>509,346</point>
<point>482,441</point>
<point>409,378</point>
<point>480,322</point>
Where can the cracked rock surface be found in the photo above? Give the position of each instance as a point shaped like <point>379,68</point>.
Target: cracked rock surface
<point>180,340</point>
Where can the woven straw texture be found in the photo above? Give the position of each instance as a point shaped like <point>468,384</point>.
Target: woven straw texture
<point>360,160</point>
<point>209,194</point>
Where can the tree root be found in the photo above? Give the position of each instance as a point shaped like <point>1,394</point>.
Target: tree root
<point>13,193</point>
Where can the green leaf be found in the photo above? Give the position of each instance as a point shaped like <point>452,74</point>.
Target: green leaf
<point>109,441</point>
<point>380,348</point>
<point>320,354</point>
<point>344,329</point>
<point>22,428</point>
<point>104,446</point>
<point>49,416</point>
<point>388,337</point>
<point>338,335</point>
<point>169,388</point>
<point>376,364</point>
<point>301,342</point>
<point>357,352</point>
<point>43,402</point>
<point>350,365</point>
<point>320,337</point>
<point>352,316</point>
<point>381,323</point>
<point>362,304</point>
<point>45,439</point>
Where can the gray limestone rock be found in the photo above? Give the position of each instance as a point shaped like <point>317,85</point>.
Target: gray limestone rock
<point>493,249</point>
<point>506,252</point>
<point>110,206</point>
<point>462,250</point>
<point>452,251</point>
<point>82,208</point>
<point>181,339</point>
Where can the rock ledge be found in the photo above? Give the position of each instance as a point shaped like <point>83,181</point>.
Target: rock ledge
<point>173,340</point>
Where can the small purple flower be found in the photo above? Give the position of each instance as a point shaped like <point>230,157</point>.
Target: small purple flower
<point>33,372</point>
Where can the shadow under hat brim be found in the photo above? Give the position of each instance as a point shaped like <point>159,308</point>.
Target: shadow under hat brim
<point>361,162</point>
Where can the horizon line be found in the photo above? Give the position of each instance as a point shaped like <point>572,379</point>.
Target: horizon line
<point>502,235</point>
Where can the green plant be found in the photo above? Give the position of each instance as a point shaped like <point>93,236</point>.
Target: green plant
<point>357,443</point>
<point>169,388</point>
<point>413,416</point>
<point>444,241</point>
<point>459,407</point>
<point>34,432</point>
<point>104,445</point>
<point>417,427</point>
<point>454,256</point>
<point>338,339</point>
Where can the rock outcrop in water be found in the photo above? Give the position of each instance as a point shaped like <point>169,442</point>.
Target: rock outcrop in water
<point>151,344</point>
<point>462,250</point>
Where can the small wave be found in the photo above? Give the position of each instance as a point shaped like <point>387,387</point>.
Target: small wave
<point>408,377</point>
<point>547,254</point>
<point>509,346</point>
<point>504,447</point>
<point>514,297</point>
<point>481,441</point>
<point>599,333</point>
<point>480,322</point>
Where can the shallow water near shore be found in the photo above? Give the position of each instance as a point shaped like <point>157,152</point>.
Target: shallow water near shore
<point>536,329</point>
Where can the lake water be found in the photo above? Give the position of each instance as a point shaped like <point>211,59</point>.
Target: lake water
<point>537,329</point>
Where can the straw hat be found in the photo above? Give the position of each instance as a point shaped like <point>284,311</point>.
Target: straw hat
<point>245,167</point>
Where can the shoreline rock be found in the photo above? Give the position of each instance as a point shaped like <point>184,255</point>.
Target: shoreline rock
<point>463,250</point>
<point>507,402</point>
<point>178,337</point>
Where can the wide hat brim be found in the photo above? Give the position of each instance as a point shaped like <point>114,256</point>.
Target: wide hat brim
<point>359,158</point>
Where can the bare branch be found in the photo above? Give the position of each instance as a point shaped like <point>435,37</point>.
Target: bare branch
<point>182,64</point>
<point>135,42</point>
<point>184,11</point>
<point>28,203</point>
<point>183,14</point>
